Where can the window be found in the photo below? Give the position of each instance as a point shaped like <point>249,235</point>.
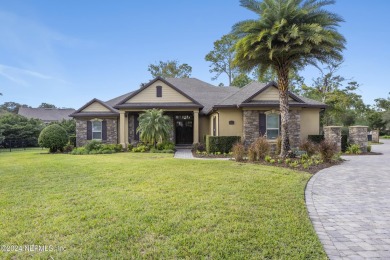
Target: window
<point>158,91</point>
<point>272,126</point>
<point>97,130</point>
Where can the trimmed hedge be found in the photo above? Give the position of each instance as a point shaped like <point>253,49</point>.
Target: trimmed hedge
<point>222,144</point>
<point>316,138</point>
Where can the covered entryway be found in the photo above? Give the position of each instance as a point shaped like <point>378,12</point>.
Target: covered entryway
<point>184,128</point>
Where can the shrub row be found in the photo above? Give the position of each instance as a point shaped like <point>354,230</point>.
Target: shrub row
<point>97,147</point>
<point>222,144</point>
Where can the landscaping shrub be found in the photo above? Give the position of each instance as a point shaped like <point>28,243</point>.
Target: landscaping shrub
<point>53,137</point>
<point>199,147</point>
<point>309,147</point>
<point>262,147</point>
<point>222,144</point>
<point>278,145</point>
<point>166,146</point>
<point>238,150</point>
<point>68,148</point>
<point>353,149</point>
<point>93,145</point>
<point>79,151</point>
<point>72,140</point>
<point>327,150</point>
<point>252,155</point>
<point>369,148</point>
<point>141,148</point>
<point>316,138</point>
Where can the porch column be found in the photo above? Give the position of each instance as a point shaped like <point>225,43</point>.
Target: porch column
<point>196,126</point>
<point>122,125</point>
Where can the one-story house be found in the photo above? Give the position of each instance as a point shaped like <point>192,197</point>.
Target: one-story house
<point>47,115</point>
<point>197,109</point>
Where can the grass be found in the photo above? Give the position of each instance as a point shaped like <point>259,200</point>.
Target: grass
<point>152,206</point>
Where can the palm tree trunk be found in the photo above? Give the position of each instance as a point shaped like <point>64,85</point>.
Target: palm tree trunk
<point>283,82</point>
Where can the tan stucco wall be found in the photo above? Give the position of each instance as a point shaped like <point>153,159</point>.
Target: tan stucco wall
<point>271,93</point>
<point>226,115</point>
<point>95,107</point>
<point>148,95</point>
<point>204,127</point>
<point>216,115</point>
<point>310,122</point>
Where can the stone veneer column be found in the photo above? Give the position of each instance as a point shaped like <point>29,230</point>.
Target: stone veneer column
<point>333,135</point>
<point>112,131</point>
<point>358,135</point>
<point>251,126</point>
<point>294,128</point>
<point>375,135</point>
<point>81,132</point>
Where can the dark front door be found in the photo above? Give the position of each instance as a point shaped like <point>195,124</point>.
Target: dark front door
<point>184,129</point>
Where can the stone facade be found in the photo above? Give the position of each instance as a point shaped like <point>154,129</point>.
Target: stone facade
<point>131,132</point>
<point>333,135</point>
<point>375,136</point>
<point>251,126</point>
<point>294,128</point>
<point>81,132</point>
<point>358,135</point>
<point>112,131</point>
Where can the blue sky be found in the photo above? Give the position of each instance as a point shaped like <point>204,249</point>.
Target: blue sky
<point>68,52</point>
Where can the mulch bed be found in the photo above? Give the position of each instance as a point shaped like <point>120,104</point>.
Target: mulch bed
<point>311,169</point>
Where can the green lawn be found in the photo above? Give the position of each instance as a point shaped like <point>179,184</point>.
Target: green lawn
<point>152,206</point>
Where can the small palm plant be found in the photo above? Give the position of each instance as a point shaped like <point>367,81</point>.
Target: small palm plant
<point>154,126</point>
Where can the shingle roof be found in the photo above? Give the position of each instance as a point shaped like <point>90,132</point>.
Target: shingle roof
<point>207,96</point>
<point>205,93</point>
<point>46,114</point>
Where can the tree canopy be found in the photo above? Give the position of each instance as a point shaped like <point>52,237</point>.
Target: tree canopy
<point>221,58</point>
<point>170,69</point>
<point>287,35</point>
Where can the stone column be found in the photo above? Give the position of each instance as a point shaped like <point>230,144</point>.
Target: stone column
<point>294,128</point>
<point>375,136</point>
<point>250,126</point>
<point>196,126</point>
<point>358,135</point>
<point>333,135</point>
<point>122,125</point>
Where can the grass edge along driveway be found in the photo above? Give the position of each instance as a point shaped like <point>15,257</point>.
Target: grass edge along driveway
<point>152,206</point>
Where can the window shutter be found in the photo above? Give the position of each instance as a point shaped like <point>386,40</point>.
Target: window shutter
<point>89,130</point>
<point>104,130</point>
<point>280,124</point>
<point>262,124</point>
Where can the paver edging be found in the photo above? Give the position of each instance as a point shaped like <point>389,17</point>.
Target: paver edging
<point>323,236</point>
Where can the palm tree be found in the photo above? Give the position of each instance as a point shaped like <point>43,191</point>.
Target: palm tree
<point>154,126</point>
<point>288,35</point>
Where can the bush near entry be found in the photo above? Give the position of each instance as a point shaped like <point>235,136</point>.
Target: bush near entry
<point>222,144</point>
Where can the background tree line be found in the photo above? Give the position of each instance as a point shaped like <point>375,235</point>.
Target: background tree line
<point>25,131</point>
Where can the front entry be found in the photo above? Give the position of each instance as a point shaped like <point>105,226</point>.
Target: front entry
<point>184,128</point>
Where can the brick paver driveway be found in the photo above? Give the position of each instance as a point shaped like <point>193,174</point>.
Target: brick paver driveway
<point>349,206</point>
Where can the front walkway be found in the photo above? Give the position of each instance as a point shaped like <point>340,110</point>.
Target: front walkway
<point>184,154</point>
<point>349,205</point>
